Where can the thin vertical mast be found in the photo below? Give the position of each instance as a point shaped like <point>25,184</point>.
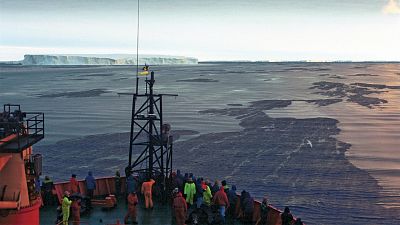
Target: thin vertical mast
<point>137,47</point>
<point>137,89</point>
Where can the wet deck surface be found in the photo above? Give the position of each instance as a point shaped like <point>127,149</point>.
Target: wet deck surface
<point>161,214</point>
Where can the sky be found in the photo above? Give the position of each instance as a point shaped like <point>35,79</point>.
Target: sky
<point>275,30</point>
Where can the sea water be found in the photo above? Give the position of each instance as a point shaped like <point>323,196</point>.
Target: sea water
<point>84,112</point>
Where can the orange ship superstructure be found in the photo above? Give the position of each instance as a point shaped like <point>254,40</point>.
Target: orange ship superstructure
<point>19,168</point>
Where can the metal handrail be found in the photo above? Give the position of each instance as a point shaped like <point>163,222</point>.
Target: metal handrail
<point>34,126</point>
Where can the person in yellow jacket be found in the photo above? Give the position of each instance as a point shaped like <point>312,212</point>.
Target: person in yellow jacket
<point>190,191</point>
<point>207,196</point>
<point>66,203</point>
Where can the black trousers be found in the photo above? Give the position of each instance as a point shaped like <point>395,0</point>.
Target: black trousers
<point>90,193</point>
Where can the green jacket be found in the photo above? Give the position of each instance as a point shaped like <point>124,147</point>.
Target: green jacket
<point>207,196</point>
<point>189,191</point>
<point>66,203</point>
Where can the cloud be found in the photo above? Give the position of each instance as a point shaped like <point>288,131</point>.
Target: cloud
<point>392,7</point>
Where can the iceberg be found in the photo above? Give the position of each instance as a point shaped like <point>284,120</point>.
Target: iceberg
<point>104,60</point>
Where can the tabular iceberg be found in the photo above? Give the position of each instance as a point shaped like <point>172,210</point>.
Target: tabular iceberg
<point>93,60</point>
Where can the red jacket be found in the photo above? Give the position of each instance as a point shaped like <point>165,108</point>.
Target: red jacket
<point>179,202</point>
<point>74,185</point>
<point>220,198</point>
<point>132,201</point>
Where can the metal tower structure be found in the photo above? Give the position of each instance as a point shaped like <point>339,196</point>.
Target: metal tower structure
<point>150,141</point>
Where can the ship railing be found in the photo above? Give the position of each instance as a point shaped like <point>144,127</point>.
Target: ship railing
<point>72,222</point>
<point>22,133</point>
<point>85,222</point>
<point>35,124</point>
<point>106,186</point>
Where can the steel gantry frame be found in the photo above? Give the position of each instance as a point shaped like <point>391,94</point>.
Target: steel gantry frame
<point>152,139</point>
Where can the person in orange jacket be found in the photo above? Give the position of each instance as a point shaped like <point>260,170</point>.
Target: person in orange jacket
<point>147,192</point>
<point>132,202</point>
<point>180,209</point>
<point>74,185</point>
<point>76,211</point>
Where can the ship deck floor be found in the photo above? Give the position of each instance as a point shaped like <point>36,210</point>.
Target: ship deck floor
<point>159,215</point>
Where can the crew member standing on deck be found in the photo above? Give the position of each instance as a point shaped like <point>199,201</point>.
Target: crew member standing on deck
<point>47,188</point>
<point>132,202</point>
<point>73,184</point>
<point>117,184</point>
<point>264,211</point>
<point>190,191</point>
<point>180,209</point>
<point>286,217</point>
<point>232,198</point>
<point>147,192</point>
<point>221,200</point>
<point>207,196</point>
<point>76,211</point>
<point>90,184</point>
<point>66,203</point>
<point>199,193</point>
<point>131,184</point>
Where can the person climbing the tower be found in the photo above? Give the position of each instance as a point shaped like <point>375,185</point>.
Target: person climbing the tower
<point>145,70</point>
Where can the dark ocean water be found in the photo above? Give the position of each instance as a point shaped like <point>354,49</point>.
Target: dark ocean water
<point>245,122</point>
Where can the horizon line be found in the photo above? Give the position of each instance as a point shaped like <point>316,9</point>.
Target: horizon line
<point>110,55</point>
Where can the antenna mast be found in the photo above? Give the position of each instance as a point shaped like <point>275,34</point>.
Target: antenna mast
<point>137,46</point>
<point>152,141</point>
